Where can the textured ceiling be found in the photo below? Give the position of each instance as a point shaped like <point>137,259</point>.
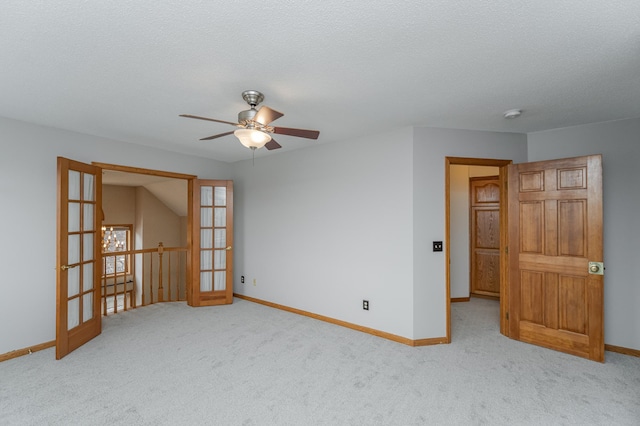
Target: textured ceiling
<point>126,70</point>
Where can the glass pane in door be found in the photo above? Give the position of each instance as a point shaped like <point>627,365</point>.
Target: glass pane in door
<point>89,187</point>
<point>73,313</point>
<point>220,218</point>
<point>87,307</point>
<point>73,281</point>
<point>220,259</point>
<point>74,217</point>
<point>73,248</point>
<point>205,217</point>
<point>205,260</point>
<point>220,280</point>
<point>206,196</point>
<point>206,281</point>
<point>220,238</point>
<point>87,246</point>
<point>87,220</point>
<point>220,196</point>
<point>74,185</point>
<point>206,239</point>
<point>87,276</point>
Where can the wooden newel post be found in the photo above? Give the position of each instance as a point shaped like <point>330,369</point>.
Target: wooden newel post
<point>160,288</point>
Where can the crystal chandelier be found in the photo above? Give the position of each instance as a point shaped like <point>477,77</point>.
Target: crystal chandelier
<point>110,240</point>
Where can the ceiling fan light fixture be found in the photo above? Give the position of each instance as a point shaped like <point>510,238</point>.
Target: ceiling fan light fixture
<point>252,138</point>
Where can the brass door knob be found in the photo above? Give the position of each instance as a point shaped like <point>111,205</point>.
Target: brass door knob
<point>596,268</point>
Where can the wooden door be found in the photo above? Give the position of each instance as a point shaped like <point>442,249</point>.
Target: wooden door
<point>484,202</point>
<point>555,231</point>
<point>212,239</point>
<point>78,317</point>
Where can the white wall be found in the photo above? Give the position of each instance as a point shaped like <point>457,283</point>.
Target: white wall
<point>619,144</point>
<point>323,228</point>
<point>28,211</point>
<point>431,146</point>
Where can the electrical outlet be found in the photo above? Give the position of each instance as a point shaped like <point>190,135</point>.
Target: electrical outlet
<point>437,246</point>
<point>254,281</point>
<point>365,305</point>
<point>242,279</point>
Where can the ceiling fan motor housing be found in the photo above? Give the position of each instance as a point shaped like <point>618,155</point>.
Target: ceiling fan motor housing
<point>246,116</point>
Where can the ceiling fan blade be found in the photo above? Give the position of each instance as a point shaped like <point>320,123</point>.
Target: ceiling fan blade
<point>208,119</point>
<point>272,145</point>
<point>216,136</point>
<point>266,115</point>
<point>301,133</point>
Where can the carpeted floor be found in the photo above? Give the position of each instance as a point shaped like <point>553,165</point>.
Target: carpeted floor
<point>247,364</point>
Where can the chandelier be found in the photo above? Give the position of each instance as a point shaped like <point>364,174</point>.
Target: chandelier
<point>110,240</point>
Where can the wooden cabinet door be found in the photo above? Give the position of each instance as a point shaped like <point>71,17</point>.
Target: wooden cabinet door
<point>484,202</point>
<point>555,231</point>
<point>78,316</point>
<point>212,239</point>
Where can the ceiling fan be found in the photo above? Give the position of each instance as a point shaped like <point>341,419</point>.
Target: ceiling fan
<point>254,125</point>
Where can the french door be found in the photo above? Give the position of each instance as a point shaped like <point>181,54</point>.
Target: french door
<point>78,271</point>
<point>78,316</point>
<point>212,242</point>
<point>555,255</point>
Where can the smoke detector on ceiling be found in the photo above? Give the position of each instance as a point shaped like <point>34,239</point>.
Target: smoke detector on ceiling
<point>512,113</point>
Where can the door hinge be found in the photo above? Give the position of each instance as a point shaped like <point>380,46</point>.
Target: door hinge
<point>506,314</point>
<point>506,249</point>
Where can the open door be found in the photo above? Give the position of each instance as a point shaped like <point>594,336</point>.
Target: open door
<point>212,242</point>
<point>78,317</point>
<point>555,255</point>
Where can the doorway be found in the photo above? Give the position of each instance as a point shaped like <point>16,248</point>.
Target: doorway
<point>458,170</point>
<point>80,252</point>
<point>152,207</point>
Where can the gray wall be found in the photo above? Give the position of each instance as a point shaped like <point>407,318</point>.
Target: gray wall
<point>619,144</point>
<point>322,228</point>
<point>431,146</point>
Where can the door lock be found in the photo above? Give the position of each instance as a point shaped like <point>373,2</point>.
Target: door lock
<point>596,268</point>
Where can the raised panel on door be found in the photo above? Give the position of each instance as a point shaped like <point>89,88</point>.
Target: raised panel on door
<point>212,243</point>
<point>555,230</point>
<point>78,316</point>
